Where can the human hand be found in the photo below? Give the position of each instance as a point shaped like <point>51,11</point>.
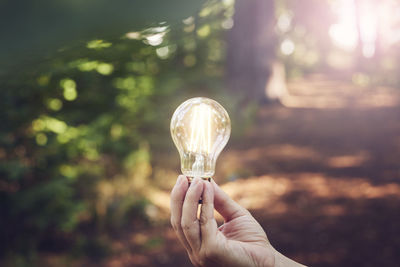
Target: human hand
<point>240,241</point>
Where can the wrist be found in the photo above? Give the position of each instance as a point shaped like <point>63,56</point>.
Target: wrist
<point>283,261</point>
<point>269,258</point>
<point>277,258</point>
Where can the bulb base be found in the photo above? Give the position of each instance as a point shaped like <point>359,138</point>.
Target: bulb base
<point>190,179</point>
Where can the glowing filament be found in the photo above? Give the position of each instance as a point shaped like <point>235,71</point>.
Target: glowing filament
<point>200,128</point>
<point>200,137</point>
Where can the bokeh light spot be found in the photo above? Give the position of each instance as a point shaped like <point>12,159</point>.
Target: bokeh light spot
<point>204,31</point>
<point>227,24</point>
<point>105,68</point>
<point>54,104</point>
<point>43,80</point>
<point>98,44</point>
<point>163,52</point>
<point>287,47</point>
<point>41,139</point>
<point>69,86</point>
<point>189,60</point>
<point>133,35</point>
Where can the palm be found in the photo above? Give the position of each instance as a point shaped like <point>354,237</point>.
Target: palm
<point>246,237</point>
<point>244,229</point>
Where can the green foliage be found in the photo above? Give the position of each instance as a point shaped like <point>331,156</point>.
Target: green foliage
<point>79,129</point>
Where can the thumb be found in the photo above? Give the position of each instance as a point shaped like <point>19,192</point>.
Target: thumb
<point>226,206</point>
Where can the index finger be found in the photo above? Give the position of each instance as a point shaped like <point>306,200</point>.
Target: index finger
<point>190,223</point>
<point>177,197</point>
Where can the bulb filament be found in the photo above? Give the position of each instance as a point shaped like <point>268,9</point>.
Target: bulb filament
<point>200,138</point>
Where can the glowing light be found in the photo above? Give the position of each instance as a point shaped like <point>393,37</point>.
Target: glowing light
<point>204,31</point>
<point>98,44</point>
<point>56,126</point>
<point>188,20</point>
<point>344,34</point>
<point>228,2</point>
<point>368,27</point>
<point>41,139</point>
<point>133,35</point>
<point>105,68</point>
<point>344,37</point>
<point>154,36</point>
<point>200,128</point>
<point>54,104</point>
<point>69,86</point>
<point>155,39</point>
<point>227,24</point>
<point>365,23</point>
<point>162,52</point>
<point>88,65</point>
<point>284,22</point>
<point>287,47</point>
<point>200,139</point>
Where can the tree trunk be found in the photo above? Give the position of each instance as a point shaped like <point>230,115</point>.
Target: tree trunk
<point>251,49</point>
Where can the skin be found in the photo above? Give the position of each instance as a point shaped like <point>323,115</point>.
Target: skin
<point>240,241</point>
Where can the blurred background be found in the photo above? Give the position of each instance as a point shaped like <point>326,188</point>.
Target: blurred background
<point>88,89</point>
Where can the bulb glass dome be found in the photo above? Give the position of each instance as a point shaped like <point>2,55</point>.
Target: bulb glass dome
<point>200,128</point>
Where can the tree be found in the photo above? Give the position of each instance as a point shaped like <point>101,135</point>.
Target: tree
<point>251,48</point>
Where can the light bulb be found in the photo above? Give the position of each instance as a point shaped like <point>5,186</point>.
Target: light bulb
<point>200,128</point>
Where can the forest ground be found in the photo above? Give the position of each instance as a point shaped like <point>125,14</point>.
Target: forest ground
<point>319,172</point>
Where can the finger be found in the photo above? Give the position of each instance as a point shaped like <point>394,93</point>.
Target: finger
<point>177,197</point>
<point>208,225</point>
<point>189,222</point>
<point>228,208</point>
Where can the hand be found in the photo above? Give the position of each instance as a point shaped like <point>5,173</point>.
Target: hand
<point>240,241</point>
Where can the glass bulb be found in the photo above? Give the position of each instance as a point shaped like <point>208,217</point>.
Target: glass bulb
<point>200,128</point>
